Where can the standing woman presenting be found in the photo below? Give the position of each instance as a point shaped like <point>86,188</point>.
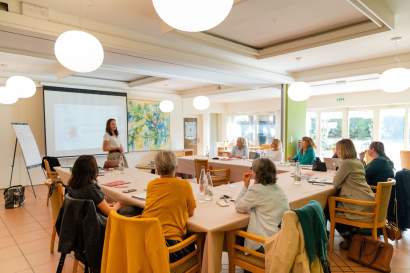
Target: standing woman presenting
<point>112,143</point>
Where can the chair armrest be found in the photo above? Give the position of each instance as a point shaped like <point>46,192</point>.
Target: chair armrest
<point>250,236</point>
<point>220,172</point>
<point>352,201</point>
<point>183,244</point>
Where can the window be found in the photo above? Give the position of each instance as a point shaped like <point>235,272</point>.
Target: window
<point>361,129</point>
<point>243,125</point>
<point>257,128</point>
<point>331,132</point>
<point>392,132</point>
<point>312,125</point>
<point>266,128</point>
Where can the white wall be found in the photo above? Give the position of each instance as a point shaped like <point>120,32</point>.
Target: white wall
<point>25,110</point>
<point>203,121</point>
<point>266,105</point>
<point>360,99</point>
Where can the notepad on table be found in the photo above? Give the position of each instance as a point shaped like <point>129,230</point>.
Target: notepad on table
<point>317,180</point>
<point>141,195</point>
<point>116,183</point>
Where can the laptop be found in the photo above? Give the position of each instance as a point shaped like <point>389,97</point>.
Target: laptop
<point>331,163</point>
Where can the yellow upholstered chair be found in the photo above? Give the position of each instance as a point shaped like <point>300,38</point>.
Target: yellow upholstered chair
<point>254,261</point>
<point>134,244</point>
<point>377,215</point>
<point>405,159</point>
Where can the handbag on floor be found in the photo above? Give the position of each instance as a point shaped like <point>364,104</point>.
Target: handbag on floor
<point>13,197</point>
<point>371,253</point>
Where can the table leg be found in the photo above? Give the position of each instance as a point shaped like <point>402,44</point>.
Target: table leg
<point>212,259</point>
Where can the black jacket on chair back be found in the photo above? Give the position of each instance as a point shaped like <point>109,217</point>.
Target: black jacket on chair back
<point>81,229</point>
<point>402,194</point>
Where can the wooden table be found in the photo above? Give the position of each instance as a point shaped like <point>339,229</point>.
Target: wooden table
<point>210,218</point>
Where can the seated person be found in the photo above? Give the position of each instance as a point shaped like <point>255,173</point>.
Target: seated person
<point>83,184</point>
<point>350,180</point>
<point>171,200</point>
<point>306,154</point>
<point>240,150</point>
<point>380,168</point>
<point>275,153</point>
<point>265,201</point>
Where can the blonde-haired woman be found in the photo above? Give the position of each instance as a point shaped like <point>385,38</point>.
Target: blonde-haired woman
<point>240,150</point>
<point>275,152</point>
<point>171,200</point>
<point>306,154</point>
<point>350,180</point>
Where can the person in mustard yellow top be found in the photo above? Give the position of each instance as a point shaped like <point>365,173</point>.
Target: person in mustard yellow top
<point>171,200</point>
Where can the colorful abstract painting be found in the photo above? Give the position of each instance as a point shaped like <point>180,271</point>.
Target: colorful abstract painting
<point>148,127</point>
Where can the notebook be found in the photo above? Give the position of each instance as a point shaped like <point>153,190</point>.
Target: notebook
<point>141,195</point>
<point>116,183</point>
<point>323,180</point>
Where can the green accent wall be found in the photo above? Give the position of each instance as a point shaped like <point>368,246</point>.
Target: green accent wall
<point>295,122</point>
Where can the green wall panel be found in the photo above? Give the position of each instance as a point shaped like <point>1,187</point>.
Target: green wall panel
<point>295,122</point>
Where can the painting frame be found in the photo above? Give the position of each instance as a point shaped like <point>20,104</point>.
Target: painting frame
<point>148,127</point>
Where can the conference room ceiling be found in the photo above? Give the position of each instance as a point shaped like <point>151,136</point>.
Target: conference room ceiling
<point>263,23</point>
<point>139,45</point>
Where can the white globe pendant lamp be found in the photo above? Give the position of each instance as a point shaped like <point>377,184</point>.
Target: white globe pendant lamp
<point>395,80</point>
<point>193,15</point>
<point>299,91</point>
<point>166,106</point>
<point>22,86</point>
<point>7,96</point>
<point>201,103</point>
<point>79,51</point>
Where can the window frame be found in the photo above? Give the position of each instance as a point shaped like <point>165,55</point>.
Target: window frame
<point>255,125</point>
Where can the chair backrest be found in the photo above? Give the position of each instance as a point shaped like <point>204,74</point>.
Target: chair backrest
<point>134,244</point>
<point>199,164</point>
<point>405,159</point>
<point>56,199</point>
<point>50,173</point>
<point>52,161</point>
<point>81,229</point>
<point>383,192</point>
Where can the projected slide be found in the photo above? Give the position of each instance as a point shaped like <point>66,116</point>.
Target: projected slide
<point>75,122</point>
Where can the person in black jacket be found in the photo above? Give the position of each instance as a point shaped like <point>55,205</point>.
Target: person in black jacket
<point>381,168</point>
<point>83,184</point>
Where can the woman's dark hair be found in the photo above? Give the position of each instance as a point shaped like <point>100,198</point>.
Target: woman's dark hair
<point>379,148</point>
<point>84,172</point>
<point>108,129</point>
<point>265,171</point>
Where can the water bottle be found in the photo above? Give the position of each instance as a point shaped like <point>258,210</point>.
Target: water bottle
<point>202,183</point>
<point>209,189</point>
<point>298,174</point>
<point>121,163</point>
